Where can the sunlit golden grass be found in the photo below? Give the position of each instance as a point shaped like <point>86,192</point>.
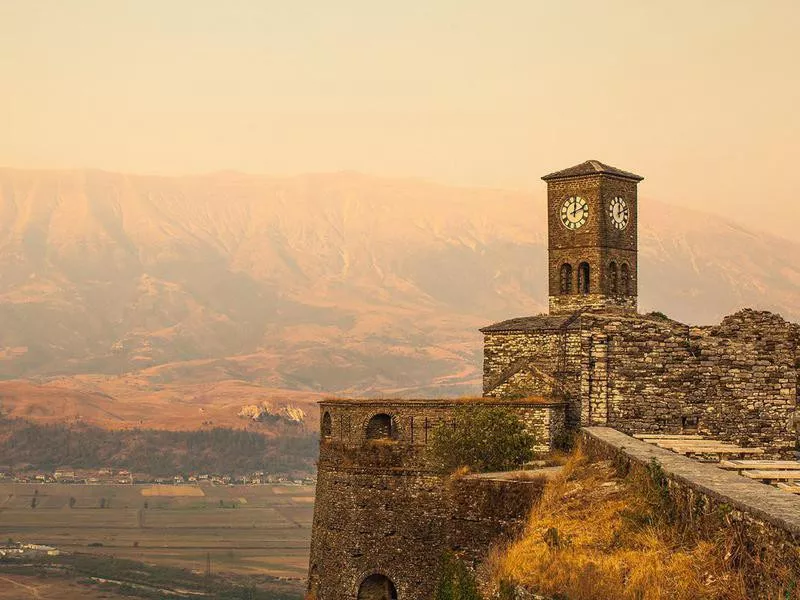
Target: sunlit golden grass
<point>595,536</point>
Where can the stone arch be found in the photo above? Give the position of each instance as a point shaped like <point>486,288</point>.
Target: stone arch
<point>583,278</point>
<point>326,427</point>
<point>613,279</point>
<point>377,587</point>
<point>380,426</point>
<point>625,277</point>
<point>566,278</point>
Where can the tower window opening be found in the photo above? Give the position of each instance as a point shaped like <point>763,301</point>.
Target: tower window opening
<point>327,425</point>
<point>566,278</point>
<point>626,279</point>
<point>613,279</point>
<point>379,427</point>
<point>583,278</point>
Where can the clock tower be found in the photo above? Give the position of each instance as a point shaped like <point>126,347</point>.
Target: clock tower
<point>592,238</point>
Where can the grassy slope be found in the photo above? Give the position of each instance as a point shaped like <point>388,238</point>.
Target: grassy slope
<point>597,536</point>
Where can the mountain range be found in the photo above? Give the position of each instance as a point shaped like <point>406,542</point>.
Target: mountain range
<point>137,287</point>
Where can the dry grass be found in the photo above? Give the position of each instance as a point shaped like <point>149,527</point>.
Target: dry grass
<point>594,536</point>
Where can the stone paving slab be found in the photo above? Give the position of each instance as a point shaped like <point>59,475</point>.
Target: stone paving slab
<point>761,500</point>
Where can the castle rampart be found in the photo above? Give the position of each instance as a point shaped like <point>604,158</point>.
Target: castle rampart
<point>383,511</point>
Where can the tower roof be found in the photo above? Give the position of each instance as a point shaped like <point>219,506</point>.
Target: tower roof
<point>591,167</point>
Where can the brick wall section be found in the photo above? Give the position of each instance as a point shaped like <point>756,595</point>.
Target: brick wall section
<point>649,374</point>
<point>572,302</point>
<point>400,524</point>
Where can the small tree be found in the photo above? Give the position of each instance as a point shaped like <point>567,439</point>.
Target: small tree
<point>72,502</point>
<point>33,502</point>
<point>483,438</point>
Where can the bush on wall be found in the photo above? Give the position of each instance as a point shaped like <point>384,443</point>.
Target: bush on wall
<point>482,438</point>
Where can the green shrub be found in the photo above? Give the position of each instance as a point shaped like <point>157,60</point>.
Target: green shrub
<point>482,438</point>
<point>456,581</point>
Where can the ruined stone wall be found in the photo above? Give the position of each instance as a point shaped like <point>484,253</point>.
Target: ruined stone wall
<point>736,381</point>
<point>381,510</point>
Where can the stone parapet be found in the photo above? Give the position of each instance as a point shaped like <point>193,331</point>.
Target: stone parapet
<point>771,517</point>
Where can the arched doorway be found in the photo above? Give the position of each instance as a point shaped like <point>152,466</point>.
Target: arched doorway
<point>377,587</point>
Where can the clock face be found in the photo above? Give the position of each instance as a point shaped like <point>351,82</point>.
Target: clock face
<point>618,212</point>
<point>574,212</point>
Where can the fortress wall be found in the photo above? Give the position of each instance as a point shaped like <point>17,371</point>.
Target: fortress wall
<point>736,381</point>
<point>385,523</point>
<point>413,421</point>
<point>767,520</point>
<point>379,510</point>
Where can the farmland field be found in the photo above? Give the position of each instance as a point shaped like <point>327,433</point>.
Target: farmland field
<point>248,530</point>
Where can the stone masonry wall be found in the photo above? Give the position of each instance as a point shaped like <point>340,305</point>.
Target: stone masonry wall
<point>413,421</point>
<point>537,359</point>
<point>380,509</point>
<point>736,381</point>
<point>572,302</point>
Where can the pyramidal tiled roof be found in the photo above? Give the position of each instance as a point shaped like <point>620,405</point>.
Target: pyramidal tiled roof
<point>591,167</point>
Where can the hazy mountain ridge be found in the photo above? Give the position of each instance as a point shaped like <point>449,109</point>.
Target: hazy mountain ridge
<point>341,282</point>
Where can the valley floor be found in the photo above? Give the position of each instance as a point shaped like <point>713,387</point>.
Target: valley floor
<point>245,530</point>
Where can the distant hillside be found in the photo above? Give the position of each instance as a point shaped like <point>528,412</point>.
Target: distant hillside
<point>337,283</point>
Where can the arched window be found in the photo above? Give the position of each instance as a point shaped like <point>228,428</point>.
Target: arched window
<point>377,587</point>
<point>566,278</point>
<point>583,278</point>
<point>613,279</point>
<point>625,276</point>
<point>327,425</point>
<point>379,427</point>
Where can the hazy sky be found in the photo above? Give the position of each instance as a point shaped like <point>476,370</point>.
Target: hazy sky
<point>702,97</point>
